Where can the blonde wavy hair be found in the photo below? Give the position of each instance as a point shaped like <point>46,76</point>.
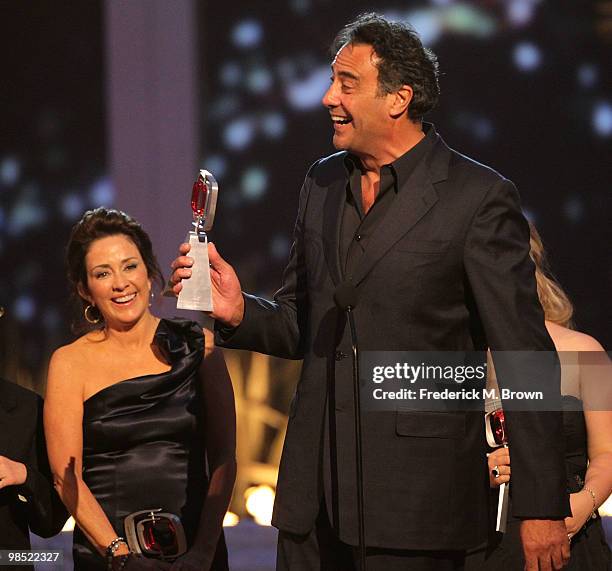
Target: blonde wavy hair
<point>557,306</point>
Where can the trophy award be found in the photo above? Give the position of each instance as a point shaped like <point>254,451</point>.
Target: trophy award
<point>495,428</point>
<point>197,293</point>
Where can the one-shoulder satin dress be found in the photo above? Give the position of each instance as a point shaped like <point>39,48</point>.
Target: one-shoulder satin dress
<point>143,443</point>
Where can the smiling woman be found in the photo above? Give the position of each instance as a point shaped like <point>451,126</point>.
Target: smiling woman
<point>139,415</point>
<point>118,283</point>
<point>109,249</point>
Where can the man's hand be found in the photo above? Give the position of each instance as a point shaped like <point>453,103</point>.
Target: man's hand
<point>228,302</point>
<point>499,463</point>
<point>545,544</point>
<point>11,473</point>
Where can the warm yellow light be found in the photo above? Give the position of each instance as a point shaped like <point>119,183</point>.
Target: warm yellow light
<point>230,519</point>
<point>606,508</point>
<point>259,503</point>
<point>69,525</point>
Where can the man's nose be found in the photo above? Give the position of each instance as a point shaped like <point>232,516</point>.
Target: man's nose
<point>330,99</point>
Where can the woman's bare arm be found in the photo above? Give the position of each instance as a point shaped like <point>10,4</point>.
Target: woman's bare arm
<point>63,418</point>
<point>596,394</point>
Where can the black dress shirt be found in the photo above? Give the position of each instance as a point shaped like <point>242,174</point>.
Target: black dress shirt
<point>359,226</point>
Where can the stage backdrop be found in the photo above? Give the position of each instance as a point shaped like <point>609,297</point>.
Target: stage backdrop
<point>525,89</point>
<point>119,103</point>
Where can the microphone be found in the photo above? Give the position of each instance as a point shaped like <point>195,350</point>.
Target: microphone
<point>346,298</point>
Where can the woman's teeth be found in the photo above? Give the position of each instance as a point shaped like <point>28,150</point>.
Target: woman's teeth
<point>125,298</point>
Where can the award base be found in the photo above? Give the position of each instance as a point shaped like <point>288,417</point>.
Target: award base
<point>196,294</point>
<point>502,507</point>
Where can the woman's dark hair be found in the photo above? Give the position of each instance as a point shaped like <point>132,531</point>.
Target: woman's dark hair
<point>100,223</point>
<point>402,59</point>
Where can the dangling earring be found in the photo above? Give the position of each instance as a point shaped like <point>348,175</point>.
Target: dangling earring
<point>151,298</point>
<point>88,317</point>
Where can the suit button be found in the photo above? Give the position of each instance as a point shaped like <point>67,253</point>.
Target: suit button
<point>340,355</point>
<point>358,237</point>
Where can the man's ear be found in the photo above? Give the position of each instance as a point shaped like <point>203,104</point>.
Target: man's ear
<point>400,100</point>
<point>83,293</point>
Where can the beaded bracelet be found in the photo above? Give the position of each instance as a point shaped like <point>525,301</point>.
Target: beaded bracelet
<point>110,552</point>
<point>594,512</point>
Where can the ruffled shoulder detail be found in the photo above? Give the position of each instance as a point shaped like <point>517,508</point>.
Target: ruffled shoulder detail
<point>179,338</point>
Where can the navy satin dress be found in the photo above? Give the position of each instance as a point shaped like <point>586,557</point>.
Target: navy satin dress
<point>143,443</point>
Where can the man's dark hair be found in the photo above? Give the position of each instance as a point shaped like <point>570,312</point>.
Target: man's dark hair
<point>402,59</point>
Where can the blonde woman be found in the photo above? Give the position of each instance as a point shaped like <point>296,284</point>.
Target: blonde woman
<point>586,376</point>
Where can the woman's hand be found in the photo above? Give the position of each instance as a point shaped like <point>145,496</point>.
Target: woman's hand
<point>11,473</point>
<point>581,504</point>
<point>193,560</point>
<point>499,462</point>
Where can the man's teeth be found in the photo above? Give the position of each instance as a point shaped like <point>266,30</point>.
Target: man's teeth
<point>125,298</point>
<point>341,120</point>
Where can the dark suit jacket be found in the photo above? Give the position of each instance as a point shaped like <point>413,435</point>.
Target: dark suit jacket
<point>22,440</point>
<point>448,270</point>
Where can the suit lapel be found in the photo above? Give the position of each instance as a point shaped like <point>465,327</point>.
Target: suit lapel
<point>414,199</point>
<point>332,222</point>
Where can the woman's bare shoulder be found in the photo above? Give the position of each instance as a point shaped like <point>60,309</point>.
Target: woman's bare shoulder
<point>78,354</point>
<point>569,340</point>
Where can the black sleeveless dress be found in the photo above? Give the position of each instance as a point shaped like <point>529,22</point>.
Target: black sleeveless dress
<point>589,550</point>
<point>143,443</point>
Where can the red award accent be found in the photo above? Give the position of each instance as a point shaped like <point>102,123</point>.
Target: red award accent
<point>198,197</point>
<point>498,425</point>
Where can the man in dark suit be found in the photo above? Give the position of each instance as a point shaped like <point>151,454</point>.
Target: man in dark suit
<point>27,498</point>
<point>438,250</point>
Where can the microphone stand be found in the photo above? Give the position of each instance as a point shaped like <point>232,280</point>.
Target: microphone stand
<point>358,439</point>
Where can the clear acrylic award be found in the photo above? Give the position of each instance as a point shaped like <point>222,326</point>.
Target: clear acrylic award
<point>495,430</point>
<point>196,293</point>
